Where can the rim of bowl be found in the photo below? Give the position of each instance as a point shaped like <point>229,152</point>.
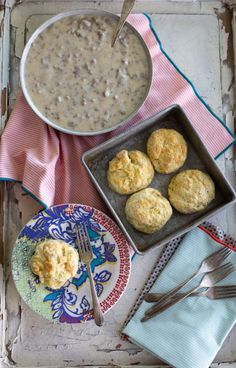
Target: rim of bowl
<point>40,29</point>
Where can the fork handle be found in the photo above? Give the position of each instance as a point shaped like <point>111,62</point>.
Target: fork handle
<point>156,309</point>
<point>155,297</point>
<point>169,295</point>
<point>98,316</point>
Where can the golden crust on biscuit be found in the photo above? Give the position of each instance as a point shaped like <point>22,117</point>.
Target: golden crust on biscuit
<point>147,210</point>
<point>191,191</point>
<point>167,150</point>
<point>129,171</point>
<point>54,261</point>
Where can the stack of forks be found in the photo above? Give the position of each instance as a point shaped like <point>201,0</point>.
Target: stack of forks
<point>213,271</point>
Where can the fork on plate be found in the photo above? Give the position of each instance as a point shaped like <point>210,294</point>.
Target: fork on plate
<point>86,256</point>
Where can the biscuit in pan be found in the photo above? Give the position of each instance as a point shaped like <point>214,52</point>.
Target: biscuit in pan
<point>129,171</point>
<point>167,150</point>
<point>191,191</point>
<point>147,210</point>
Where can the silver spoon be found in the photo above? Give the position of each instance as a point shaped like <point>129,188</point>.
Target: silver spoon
<point>126,9</point>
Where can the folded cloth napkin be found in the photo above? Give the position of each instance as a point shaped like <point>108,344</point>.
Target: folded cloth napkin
<point>47,162</point>
<point>190,333</point>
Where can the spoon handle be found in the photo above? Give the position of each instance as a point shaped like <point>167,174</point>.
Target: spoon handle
<point>126,9</point>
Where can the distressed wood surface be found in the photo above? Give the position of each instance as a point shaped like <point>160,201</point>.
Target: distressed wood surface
<point>198,36</point>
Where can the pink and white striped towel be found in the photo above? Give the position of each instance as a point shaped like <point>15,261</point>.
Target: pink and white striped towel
<point>47,162</point>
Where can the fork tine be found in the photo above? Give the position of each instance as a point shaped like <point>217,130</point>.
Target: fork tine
<point>219,294</point>
<point>221,272</point>
<point>86,238</point>
<point>223,291</point>
<point>78,242</point>
<point>227,254</point>
<point>225,266</point>
<point>225,251</point>
<point>81,240</point>
<point>225,287</point>
<point>233,295</point>
<point>83,237</point>
<point>221,258</point>
<point>228,270</point>
<point>222,255</point>
<point>232,267</point>
<point>218,252</point>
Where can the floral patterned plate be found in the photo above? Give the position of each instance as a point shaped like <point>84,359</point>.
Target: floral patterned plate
<point>111,263</point>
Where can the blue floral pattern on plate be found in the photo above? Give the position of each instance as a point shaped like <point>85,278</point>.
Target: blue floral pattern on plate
<point>110,265</point>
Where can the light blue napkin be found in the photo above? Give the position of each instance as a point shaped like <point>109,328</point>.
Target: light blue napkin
<point>190,333</point>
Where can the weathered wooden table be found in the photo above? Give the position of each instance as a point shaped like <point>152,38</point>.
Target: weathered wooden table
<point>199,36</point>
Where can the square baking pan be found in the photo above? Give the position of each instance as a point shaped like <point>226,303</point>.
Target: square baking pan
<point>97,159</point>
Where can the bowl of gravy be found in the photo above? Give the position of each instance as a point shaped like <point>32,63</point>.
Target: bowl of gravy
<point>76,82</point>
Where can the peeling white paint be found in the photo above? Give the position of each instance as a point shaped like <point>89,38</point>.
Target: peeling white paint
<point>32,340</point>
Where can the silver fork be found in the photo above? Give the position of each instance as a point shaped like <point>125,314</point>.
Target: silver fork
<point>209,279</point>
<point>208,264</point>
<point>214,292</point>
<point>86,256</point>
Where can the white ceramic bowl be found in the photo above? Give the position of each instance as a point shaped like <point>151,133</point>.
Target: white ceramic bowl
<point>92,12</point>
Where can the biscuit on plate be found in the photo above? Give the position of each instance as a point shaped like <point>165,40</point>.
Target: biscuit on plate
<point>167,150</point>
<point>129,171</point>
<point>191,191</point>
<point>148,211</point>
<point>54,261</point>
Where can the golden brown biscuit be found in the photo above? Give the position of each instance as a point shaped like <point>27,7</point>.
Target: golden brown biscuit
<point>191,191</point>
<point>54,261</point>
<point>167,150</point>
<point>147,210</point>
<point>129,172</point>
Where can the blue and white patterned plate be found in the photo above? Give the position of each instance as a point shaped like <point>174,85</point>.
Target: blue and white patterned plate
<point>111,263</point>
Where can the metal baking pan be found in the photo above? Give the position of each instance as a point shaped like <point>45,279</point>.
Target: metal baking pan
<point>96,162</point>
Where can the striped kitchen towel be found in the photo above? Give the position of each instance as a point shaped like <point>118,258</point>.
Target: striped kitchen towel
<point>47,162</point>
